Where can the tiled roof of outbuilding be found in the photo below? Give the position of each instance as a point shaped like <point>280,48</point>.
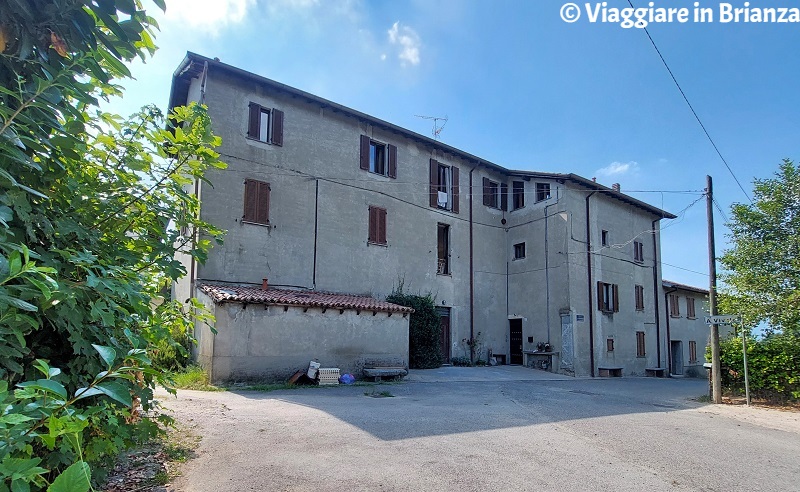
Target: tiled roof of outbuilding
<point>256,295</point>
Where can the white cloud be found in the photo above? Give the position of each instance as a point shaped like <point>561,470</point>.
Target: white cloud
<point>408,42</point>
<point>618,168</point>
<point>209,15</point>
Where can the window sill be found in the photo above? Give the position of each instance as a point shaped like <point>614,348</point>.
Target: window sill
<point>674,316</point>
<point>641,356</point>
<point>248,137</point>
<point>639,310</point>
<point>517,259</point>
<point>372,243</point>
<point>262,224</point>
<point>444,274</point>
<point>691,317</point>
<point>638,261</point>
<point>518,208</point>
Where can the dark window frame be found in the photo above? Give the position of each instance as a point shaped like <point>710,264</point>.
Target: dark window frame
<point>639,290</point>
<point>377,226</point>
<point>517,195</point>
<point>607,297</point>
<point>388,152</point>
<point>641,349</point>
<point>519,251</point>
<point>491,193</point>
<point>638,251</point>
<point>272,132</point>
<point>443,266</point>
<point>609,344</point>
<point>604,237</point>
<point>543,194</point>
<point>690,308</point>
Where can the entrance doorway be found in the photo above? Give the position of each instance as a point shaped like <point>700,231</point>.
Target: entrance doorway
<point>676,348</point>
<point>444,333</point>
<point>515,341</point>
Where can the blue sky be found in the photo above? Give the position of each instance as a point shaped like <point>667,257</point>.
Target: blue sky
<point>526,90</point>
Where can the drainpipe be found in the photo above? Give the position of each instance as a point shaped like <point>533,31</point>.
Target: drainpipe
<point>316,230</point>
<point>471,278</point>
<point>547,264</point>
<point>669,344</point>
<point>589,276</point>
<point>655,293</point>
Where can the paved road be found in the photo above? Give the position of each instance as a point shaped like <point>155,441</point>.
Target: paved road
<point>456,431</point>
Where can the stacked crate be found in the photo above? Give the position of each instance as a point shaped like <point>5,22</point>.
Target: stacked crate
<point>328,376</point>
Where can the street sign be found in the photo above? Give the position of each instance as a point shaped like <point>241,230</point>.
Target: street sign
<point>721,320</point>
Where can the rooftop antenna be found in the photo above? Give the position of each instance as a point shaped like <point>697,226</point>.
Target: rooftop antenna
<point>436,128</point>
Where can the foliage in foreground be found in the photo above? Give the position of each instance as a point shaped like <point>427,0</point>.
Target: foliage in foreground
<point>92,211</point>
<point>193,377</point>
<point>773,364</point>
<point>424,350</point>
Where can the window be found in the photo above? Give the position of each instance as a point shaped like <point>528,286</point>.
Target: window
<point>692,351</point>
<point>674,308</point>
<point>639,297</point>
<point>377,226</point>
<point>690,308</point>
<point>265,124</point>
<point>604,238</point>
<point>640,344</point>
<point>519,251</point>
<point>491,193</point>
<point>378,158</point>
<point>542,191</point>
<point>256,202</point>
<point>443,250</point>
<point>607,297</point>
<point>609,344</point>
<point>638,251</point>
<point>443,186</point>
<point>517,194</point>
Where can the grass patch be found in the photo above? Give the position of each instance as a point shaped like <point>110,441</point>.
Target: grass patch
<point>382,394</point>
<point>194,378</point>
<point>703,399</point>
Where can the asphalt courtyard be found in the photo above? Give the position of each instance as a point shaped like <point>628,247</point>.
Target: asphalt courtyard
<point>500,428</point>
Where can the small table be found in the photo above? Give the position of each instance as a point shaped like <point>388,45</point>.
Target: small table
<point>536,353</point>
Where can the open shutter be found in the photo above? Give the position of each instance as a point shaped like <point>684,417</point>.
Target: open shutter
<point>365,152</point>
<point>277,127</point>
<point>263,203</point>
<point>487,190</point>
<point>371,235</point>
<point>253,122</point>
<point>381,226</point>
<point>250,200</point>
<point>434,180</point>
<point>392,161</point>
<point>600,300</point>
<point>504,196</point>
<point>615,295</point>
<point>454,174</point>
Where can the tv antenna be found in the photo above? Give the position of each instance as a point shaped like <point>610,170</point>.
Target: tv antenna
<point>436,128</point>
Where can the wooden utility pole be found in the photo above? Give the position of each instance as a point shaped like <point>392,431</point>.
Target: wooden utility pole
<point>716,381</point>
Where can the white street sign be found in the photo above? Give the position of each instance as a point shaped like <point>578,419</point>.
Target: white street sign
<point>721,320</point>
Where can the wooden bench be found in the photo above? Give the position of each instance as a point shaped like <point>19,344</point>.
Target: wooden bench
<point>610,372</point>
<point>656,372</point>
<point>385,372</point>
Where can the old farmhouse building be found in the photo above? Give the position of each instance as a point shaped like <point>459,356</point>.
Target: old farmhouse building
<point>319,198</point>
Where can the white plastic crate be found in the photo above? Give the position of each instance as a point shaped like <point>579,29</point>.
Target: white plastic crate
<point>328,376</point>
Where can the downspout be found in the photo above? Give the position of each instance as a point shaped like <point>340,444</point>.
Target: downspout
<point>471,278</point>
<point>669,344</point>
<point>589,276</point>
<point>316,230</point>
<point>655,293</point>
<point>547,264</point>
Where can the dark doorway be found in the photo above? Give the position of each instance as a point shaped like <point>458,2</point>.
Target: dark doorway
<point>444,330</point>
<point>676,347</point>
<point>515,341</point>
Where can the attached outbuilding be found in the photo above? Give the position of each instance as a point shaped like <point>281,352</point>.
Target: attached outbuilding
<point>269,334</point>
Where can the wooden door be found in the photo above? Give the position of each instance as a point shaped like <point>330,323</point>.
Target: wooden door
<point>515,341</point>
<point>444,337</point>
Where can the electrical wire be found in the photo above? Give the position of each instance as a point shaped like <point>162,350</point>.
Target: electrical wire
<point>685,98</point>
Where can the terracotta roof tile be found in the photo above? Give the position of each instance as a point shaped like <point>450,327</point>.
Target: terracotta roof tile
<point>256,295</point>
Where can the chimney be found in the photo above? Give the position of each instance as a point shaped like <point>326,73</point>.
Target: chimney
<point>615,187</point>
<point>264,284</point>
<point>594,179</point>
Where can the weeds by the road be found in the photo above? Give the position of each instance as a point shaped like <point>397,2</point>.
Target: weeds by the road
<point>194,378</point>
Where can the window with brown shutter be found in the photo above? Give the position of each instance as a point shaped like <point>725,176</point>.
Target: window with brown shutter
<point>256,202</point>
<point>692,351</point>
<point>607,297</point>
<point>639,297</point>
<point>674,308</point>
<point>638,251</point>
<point>444,191</point>
<point>265,124</point>
<point>609,344</point>
<point>690,308</point>
<point>377,157</point>
<point>491,190</point>
<point>517,195</point>
<point>277,127</point>
<point>377,225</point>
<point>640,348</point>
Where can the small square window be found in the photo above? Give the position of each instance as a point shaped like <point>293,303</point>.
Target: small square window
<point>542,191</point>
<point>519,251</point>
<point>604,238</point>
<point>609,344</point>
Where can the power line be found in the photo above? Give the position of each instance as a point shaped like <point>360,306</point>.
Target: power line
<point>693,111</point>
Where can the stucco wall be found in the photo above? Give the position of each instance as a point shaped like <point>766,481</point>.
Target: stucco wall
<point>272,344</point>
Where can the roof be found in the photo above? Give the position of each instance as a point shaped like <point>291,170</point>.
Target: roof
<point>193,65</point>
<point>675,285</point>
<point>300,298</point>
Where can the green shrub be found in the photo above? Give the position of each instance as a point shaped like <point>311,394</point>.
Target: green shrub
<point>460,361</point>
<point>773,365</point>
<point>424,349</point>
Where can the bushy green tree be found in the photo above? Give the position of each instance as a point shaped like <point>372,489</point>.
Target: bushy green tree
<point>773,365</point>
<point>424,349</point>
<point>93,209</point>
<point>762,268</point>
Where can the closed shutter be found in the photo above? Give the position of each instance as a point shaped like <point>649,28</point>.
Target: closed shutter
<point>392,161</point>
<point>454,173</point>
<point>504,196</point>
<point>263,203</point>
<point>365,152</point>
<point>256,201</point>
<point>615,295</point>
<point>434,181</point>
<point>372,228</point>
<point>253,122</point>
<point>600,300</point>
<point>487,191</point>
<point>277,127</point>
<point>381,225</point>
